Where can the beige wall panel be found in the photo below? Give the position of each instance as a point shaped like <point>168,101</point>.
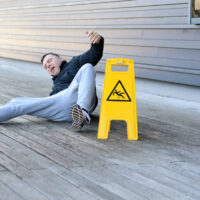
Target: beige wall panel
<point>20,3</point>
<point>155,33</point>
<point>130,51</point>
<point>96,22</point>
<point>111,33</point>
<point>18,54</point>
<point>181,44</point>
<point>79,10</point>
<point>98,14</point>
<point>118,3</point>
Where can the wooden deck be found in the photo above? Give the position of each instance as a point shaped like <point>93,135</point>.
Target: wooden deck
<point>40,159</point>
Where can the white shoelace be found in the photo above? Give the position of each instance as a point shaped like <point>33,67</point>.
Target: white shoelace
<point>86,116</point>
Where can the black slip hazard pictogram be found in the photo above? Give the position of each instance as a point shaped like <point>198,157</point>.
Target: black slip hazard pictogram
<point>119,93</point>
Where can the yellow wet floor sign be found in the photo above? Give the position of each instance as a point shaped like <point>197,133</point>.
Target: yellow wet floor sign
<point>119,99</point>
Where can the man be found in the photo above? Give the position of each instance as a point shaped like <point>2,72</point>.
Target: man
<point>73,97</point>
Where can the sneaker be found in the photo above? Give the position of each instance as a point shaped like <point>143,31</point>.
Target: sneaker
<point>79,117</point>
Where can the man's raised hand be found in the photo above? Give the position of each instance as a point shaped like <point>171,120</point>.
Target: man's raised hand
<point>93,37</point>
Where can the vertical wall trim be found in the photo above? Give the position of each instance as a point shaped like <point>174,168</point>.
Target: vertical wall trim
<point>189,11</point>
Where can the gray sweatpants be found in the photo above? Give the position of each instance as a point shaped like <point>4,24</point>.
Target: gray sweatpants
<point>57,107</point>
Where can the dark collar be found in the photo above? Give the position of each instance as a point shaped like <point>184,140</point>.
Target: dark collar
<point>63,63</point>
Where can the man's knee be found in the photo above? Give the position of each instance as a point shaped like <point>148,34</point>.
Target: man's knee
<point>88,69</point>
<point>87,66</point>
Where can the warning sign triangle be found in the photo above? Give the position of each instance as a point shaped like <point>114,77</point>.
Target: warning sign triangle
<point>119,93</point>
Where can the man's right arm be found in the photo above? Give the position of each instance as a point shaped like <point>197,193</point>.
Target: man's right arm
<point>94,54</point>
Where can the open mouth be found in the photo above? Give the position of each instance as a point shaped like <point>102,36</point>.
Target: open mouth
<point>52,69</point>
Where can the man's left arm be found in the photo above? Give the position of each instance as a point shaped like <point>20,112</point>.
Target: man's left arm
<point>95,53</point>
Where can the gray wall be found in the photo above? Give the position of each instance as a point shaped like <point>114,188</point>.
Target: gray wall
<point>155,33</point>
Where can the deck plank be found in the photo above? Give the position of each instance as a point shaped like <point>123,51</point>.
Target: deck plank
<point>162,181</point>
<point>19,186</point>
<point>33,179</point>
<point>7,193</point>
<point>48,152</point>
<point>91,190</point>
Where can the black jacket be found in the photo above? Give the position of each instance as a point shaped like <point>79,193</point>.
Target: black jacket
<point>69,69</point>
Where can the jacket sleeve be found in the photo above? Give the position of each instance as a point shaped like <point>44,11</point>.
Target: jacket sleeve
<point>92,56</point>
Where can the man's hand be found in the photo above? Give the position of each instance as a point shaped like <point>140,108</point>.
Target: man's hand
<point>93,37</point>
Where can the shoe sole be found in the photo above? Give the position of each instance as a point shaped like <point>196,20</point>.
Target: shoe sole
<point>77,117</point>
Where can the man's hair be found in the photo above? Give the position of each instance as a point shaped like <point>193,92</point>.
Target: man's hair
<point>50,53</point>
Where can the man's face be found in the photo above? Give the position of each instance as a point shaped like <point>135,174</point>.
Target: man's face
<point>52,64</point>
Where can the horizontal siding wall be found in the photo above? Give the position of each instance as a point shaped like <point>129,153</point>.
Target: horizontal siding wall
<point>155,33</point>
